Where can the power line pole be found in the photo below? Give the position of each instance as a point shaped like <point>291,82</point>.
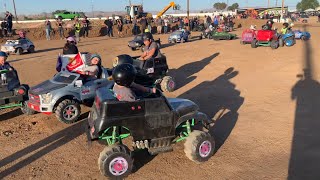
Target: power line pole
<point>92,8</point>
<point>15,12</point>
<point>188,12</point>
<point>276,3</point>
<point>268,3</point>
<point>282,9</point>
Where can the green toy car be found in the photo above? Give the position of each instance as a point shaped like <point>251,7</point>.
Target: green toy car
<point>215,35</point>
<point>66,15</point>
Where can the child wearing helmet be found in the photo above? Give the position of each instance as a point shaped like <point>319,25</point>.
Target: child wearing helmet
<point>124,88</point>
<point>70,47</point>
<point>151,47</point>
<point>4,65</point>
<point>285,28</point>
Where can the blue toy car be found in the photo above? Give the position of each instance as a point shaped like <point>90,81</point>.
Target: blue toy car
<point>179,36</point>
<point>302,35</point>
<point>287,39</point>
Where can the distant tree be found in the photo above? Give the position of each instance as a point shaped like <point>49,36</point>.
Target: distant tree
<point>307,4</point>
<point>201,11</point>
<point>82,14</point>
<point>220,6</point>
<point>233,7</point>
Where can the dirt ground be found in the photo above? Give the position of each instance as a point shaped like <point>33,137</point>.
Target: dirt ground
<point>270,129</point>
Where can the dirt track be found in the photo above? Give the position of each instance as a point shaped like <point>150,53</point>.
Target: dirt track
<point>271,123</point>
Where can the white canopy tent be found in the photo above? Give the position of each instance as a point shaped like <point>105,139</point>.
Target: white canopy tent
<point>309,10</point>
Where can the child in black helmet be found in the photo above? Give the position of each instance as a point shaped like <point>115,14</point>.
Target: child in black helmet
<point>124,88</point>
<point>3,64</point>
<point>151,49</point>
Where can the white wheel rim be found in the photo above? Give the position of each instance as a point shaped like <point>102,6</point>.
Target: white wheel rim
<point>205,149</point>
<point>171,85</point>
<point>118,166</point>
<point>70,112</point>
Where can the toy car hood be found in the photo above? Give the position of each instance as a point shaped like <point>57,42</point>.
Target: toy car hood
<point>46,87</point>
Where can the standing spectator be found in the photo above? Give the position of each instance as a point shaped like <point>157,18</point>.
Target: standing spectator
<point>143,23</point>
<point>135,26</point>
<point>319,17</point>
<point>85,26</point>
<point>60,28</point>
<point>166,23</point>
<point>8,18</point>
<point>77,28</point>
<point>4,28</point>
<point>181,24</point>
<point>208,21</point>
<point>159,25</point>
<point>215,22</point>
<point>149,22</point>
<point>109,25</point>
<point>48,28</point>
<point>120,26</point>
<point>186,22</point>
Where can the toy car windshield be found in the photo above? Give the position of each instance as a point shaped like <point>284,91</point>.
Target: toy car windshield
<point>64,78</point>
<point>177,33</point>
<point>12,42</point>
<point>138,38</point>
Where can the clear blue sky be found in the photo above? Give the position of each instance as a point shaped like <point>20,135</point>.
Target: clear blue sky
<point>38,6</point>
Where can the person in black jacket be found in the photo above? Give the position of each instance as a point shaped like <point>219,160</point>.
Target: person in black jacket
<point>109,25</point>
<point>70,47</point>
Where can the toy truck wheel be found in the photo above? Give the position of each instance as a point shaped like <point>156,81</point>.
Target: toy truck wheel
<point>26,110</point>
<point>115,162</point>
<point>31,49</point>
<point>254,43</point>
<point>209,36</point>
<point>19,51</point>
<point>133,49</point>
<point>68,111</point>
<point>303,38</point>
<point>281,42</point>
<point>242,43</point>
<point>199,146</point>
<point>274,44</point>
<point>168,84</point>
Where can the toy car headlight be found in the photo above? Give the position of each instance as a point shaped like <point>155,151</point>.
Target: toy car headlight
<point>46,98</point>
<point>137,44</point>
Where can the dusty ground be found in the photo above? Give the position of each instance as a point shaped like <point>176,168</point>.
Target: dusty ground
<point>270,130</point>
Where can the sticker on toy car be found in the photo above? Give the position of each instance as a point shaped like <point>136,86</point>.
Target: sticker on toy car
<point>150,70</point>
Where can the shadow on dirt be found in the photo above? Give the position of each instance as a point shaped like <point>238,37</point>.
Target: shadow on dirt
<point>22,59</point>
<point>305,156</point>
<point>220,100</point>
<point>50,49</point>
<point>185,73</point>
<point>11,114</point>
<point>41,148</point>
<point>141,158</point>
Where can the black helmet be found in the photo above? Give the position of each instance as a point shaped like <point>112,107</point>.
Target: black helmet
<point>3,54</point>
<point>124,74</point>
<point>285,25</point>
<point>122,59</point>
<point>147,36</point>
<point>269,22</point>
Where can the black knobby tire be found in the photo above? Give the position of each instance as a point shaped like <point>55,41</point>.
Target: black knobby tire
<point>19,51</point>
<point>168,84</point>
<point>67,106</point>
<point>31,49</point>
<point>274,44</point>
<point>303,38</point>
<point>199,146</point>
<point>281,42</point>
<point>254,43</point>
<point>216,38</point>
<point>114,157</point>
<point>210,36</point>
<point>133,49</point>
<point>26,110</point>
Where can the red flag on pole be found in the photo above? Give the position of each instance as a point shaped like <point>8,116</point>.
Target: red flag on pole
<point>76,64</point>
